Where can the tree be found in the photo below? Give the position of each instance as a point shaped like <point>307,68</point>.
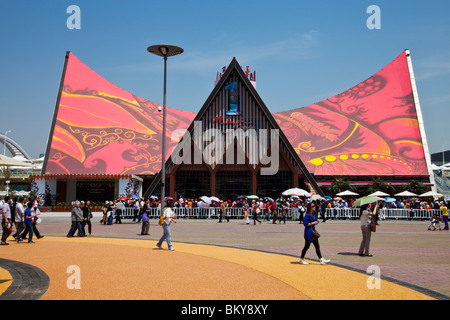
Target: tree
<point>415,187</point>
<point>340,185</point>
<point>380,185</point>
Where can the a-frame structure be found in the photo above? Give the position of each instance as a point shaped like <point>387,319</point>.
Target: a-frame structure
<point>234,146</point>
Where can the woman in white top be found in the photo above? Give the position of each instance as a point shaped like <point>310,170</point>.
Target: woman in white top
<point>365,216</point>
<point>169,216</point>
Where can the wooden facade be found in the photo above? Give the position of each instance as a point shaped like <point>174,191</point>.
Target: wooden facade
<point>247,140</point>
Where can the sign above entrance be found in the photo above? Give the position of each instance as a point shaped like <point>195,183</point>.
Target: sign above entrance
<point>250,75</point>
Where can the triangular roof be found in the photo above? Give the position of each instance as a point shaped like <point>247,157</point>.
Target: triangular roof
<point>235,70</point>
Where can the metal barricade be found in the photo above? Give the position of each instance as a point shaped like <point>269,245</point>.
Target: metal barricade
<point>342,213</point>
<point>291,213</point>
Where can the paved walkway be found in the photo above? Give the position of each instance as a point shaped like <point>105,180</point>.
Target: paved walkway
<point>414,263</point>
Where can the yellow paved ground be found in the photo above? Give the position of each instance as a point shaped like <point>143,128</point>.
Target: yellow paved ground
<point>5,280</point>
<point>136,269</point>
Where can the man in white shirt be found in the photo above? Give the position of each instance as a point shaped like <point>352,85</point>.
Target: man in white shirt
<point>119,208</point>
<point>6,221</point>
<point>20,213</point>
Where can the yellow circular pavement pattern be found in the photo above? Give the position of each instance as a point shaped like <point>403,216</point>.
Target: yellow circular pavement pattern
<point>110,268</point>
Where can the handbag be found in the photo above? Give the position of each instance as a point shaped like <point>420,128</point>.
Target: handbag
<point>315,233</point>
<point>161,219</point>
<point>373,225</point>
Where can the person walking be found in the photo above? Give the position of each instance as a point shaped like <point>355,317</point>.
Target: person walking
<point>256,211</point>
<point>169,217</point>
<point>77,217</point>
<point>364,216</point>
<point>310,222</point>
<point>445,214</point>
<point>20,214</point>
<point>87,216</point>
<point>29,214</point>
<point>324,206</point>
<point>145,215</point>
<point>223,211</point>
<point>119,209</point>
<point>6,221</point>
<point>275,211</point>
<point>36,212</point>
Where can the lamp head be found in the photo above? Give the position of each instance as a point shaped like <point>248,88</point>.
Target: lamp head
<point>165,50</point>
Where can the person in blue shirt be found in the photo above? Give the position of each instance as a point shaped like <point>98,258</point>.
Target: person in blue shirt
<point>28,221</point>
<point>310,222</point>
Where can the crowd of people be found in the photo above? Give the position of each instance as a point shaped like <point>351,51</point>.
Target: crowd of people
<point>266,209</point>
<point>21,214</point>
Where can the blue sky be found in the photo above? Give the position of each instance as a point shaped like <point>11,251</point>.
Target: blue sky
<point>302,51</point>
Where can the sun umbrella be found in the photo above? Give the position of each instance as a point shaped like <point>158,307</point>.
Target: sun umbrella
<point>405,194</point>
<point>389,199</point>
<point>296,192</point>
<point>347,193</point>
<point>366,200</point>
<point>328,198</point>
<point>252,197</point>
<point>214,199</point>
<point>134,196</point>
<point>379,194</point>
<point>431,194</point>
<point>241,197</point>
<point>206,199</point>
<point>124,198</point>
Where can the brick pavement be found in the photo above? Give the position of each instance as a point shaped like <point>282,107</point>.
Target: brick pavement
<point>406,252</point>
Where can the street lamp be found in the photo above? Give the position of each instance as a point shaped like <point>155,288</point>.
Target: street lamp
<point>165,51</point>
<point>4,143</point>
<point>7,187</point>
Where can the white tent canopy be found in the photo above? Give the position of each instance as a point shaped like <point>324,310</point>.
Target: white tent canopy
<point>347,193</point>
<point>406,194</point>
<point>6,161</point>
<point>379,194</point>
<point>431,194</point>
<point>296,192</point>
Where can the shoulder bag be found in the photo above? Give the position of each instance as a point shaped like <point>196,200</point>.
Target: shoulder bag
<point>315,233</point>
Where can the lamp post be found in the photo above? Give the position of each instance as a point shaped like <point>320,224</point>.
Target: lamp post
<point>165,51</point>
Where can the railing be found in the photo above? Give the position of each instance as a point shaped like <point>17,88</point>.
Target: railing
<point>291,214</point>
